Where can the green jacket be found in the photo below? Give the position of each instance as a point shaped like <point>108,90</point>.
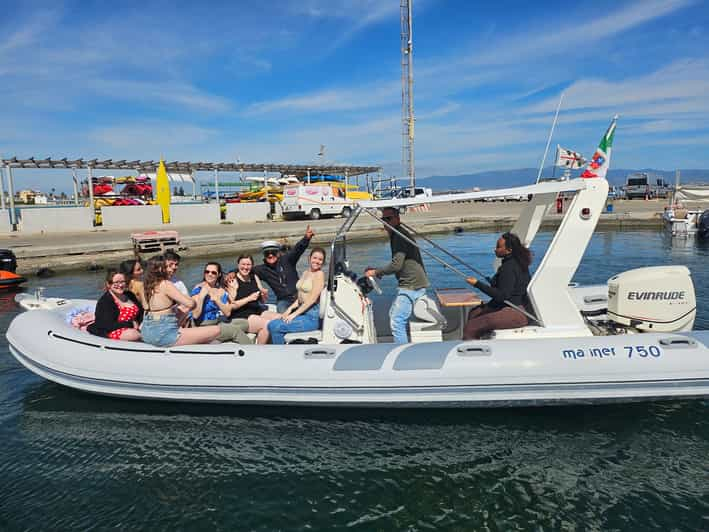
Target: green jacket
<point>405,263</point>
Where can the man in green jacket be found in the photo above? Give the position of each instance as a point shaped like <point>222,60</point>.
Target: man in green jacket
<point>407,265</point>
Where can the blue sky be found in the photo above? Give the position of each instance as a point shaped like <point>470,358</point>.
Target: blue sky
<point>273,80</point>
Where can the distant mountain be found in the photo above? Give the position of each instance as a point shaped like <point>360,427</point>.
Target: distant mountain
<point>526,176</point>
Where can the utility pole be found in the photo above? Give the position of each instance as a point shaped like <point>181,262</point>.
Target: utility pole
<point>407,94</point>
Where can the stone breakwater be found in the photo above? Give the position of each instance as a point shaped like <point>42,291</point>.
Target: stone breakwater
<point>71,251</point>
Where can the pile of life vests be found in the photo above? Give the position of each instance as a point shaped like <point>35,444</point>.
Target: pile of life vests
<point>135,191</point>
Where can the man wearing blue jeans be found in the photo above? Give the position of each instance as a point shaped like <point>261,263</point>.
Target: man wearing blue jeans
<point>407,265</point>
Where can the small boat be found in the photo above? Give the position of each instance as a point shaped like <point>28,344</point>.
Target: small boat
<point>630,339</point>
<point>682,221</point>
<point>8,266</point>
<point>10,279</point>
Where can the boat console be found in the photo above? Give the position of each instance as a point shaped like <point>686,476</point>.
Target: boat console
<point>349,316</point>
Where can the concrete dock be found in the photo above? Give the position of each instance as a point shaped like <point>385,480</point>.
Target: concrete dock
<point>71,251</point>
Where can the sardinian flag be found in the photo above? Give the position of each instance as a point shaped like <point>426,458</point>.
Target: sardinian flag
<point>598,166</point>
<point>569,159</point>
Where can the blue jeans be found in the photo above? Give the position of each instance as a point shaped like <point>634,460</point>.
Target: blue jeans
<point>283,304</point>
<point>161,331</point>
<point>400,312</point>
<point>308,321</point>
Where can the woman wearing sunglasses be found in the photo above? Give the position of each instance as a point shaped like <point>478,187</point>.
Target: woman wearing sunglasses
<point>213,307</point>
<point>118,311</point>
<point>212,300</point>
<point>160,326</point>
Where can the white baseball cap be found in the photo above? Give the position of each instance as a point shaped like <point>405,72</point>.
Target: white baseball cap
<point>270,245</point>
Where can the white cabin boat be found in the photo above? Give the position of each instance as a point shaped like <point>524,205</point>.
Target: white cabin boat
<point>629,340</point>
<point>682,221</point>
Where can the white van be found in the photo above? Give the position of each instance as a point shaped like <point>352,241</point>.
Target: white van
<point>314,201</point>
<point>418,192</point>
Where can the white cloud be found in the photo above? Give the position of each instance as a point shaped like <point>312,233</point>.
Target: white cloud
<point>28,33</point>
<point>150,140</point>
<point>556,39</point>
<point>338,99</point>
<point>682,84</point>
<point>165,93</point>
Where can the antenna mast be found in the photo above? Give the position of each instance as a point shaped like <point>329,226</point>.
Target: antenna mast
<point>407,94</point>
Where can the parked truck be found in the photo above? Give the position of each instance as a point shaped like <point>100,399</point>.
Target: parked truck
<point>643,185</point>
<point>317,200</point>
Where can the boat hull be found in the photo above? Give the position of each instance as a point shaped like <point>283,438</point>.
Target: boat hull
<point>10,280</point>
<point>438,374</point>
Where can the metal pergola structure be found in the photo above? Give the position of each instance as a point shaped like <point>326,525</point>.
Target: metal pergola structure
<point>174,167</point>
<point>299,170</point>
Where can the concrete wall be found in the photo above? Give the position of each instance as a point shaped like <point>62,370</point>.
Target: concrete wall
<point>56,220</point>
<point>132,217</point>
<point>247,212</point>
<point>195,214</point>
<point>5,226</point>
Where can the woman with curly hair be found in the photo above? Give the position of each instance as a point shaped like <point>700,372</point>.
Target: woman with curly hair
<point>509,284</point>
<point>160,325</point>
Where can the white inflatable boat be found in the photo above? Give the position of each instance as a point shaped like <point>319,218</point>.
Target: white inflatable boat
<point>629,340</point>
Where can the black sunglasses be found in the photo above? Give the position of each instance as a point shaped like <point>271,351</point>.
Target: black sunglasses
<point>270,254</point>
<point>213,272</point>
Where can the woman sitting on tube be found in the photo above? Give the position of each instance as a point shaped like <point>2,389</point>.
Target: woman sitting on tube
<point>304,313</point>
<point>160,325</point>
<point>133,271</point>
<point>247,296</point>
<point>212,300</point>
<point>214,306</point>
<point>118,312</point>
<point>509,284</point>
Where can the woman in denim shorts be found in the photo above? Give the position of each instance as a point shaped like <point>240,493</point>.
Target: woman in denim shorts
<point>160,327</point>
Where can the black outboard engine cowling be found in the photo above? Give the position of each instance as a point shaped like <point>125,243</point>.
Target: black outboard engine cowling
<point>8,261</point>
<point>703,226</point>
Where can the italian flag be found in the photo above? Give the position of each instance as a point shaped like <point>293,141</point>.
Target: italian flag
<point>598,165</point>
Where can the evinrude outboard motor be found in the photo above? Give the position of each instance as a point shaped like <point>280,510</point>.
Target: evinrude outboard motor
<point>703,226</point>
<point>8,261</point>
<point>654,299</point>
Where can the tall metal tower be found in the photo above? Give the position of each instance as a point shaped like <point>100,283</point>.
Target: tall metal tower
<point>407,94</point>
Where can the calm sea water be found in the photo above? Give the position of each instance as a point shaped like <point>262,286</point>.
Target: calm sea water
<point>74,461</point>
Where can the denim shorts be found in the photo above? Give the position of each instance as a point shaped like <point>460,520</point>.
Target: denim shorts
<point>161,331</point>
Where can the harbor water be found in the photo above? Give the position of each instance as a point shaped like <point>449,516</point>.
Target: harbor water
<point>74,461</point>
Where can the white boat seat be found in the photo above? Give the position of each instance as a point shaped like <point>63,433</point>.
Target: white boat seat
<point>427,316</point>
<point>304,336</point>
<point>316,333</point>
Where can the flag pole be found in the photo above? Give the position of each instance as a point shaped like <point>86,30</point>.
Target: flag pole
<point>551,133</point>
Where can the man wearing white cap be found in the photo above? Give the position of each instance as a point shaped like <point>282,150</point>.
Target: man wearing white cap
<point>279,269</point>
